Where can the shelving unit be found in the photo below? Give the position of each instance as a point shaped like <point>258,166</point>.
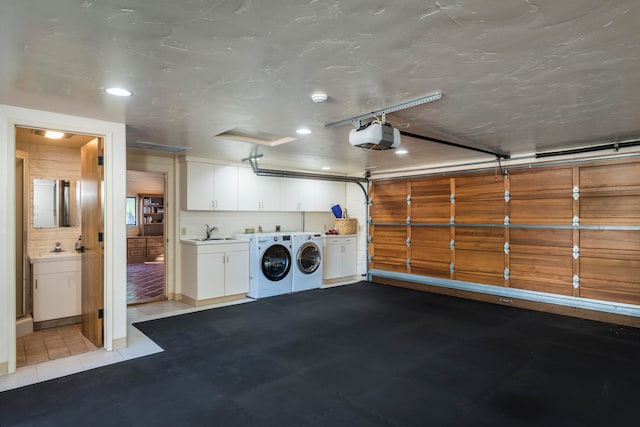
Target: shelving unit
<point>152,214</point>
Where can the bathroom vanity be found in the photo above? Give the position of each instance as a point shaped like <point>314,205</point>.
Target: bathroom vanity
<point>56,279</point>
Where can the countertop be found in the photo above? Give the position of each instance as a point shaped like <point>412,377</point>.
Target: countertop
<point>48,256</point>
<point>211,242</point>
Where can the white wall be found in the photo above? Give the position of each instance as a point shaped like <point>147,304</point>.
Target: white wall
<point>115,229</point>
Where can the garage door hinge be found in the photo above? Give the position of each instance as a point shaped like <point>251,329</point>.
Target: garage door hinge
<point>576,221</point>
<point>408,262</point>
<point>576,192</point>
<point>576,252</point>
<point>452,220</point>
<point>409,199</point>
<point>452,244</point>
<point>452,198</point>
<point>408,220</point>
<point>369,259</point>
<point>506,220</point>
<point>576,281</point>
<point>452,268</point>
<point>506,274</point>
<point>506,247</point>
<point>370,202</point>
<point>507,196</point>
<point>408,241</point>
<point>369,239</point>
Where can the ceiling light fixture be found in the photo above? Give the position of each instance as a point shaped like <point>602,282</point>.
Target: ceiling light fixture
<point>53,134</point>
<point>118,91</point>
<point>303,131</point>
<point>319,97</point>
<point>326,168</point>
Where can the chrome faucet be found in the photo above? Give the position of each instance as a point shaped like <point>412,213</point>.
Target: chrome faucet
<point>210,229</point>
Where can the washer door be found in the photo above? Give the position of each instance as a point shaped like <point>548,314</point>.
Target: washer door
<point>276,263</point>
<point>309,258</point>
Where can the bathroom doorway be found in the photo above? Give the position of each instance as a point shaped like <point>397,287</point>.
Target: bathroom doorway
<point>49,284</point>
<point>146,216</point>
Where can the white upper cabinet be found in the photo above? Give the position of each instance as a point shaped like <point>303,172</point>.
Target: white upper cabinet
<point>257,193</point>
<point>308,195</point>
<point>206,187</point>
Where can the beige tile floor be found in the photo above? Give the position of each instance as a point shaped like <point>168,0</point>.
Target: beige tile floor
<point>51,344</point>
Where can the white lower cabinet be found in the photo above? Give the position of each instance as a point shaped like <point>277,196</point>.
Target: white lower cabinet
<point>214,269</point>
<point>340,257</point>
<point>57,291</point>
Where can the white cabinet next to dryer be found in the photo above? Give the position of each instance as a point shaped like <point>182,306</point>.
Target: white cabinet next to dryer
<point>310,195</point>
<point>340,259</point>
<point>214,269</point>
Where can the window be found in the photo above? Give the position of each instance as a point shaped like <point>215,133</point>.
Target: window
<point>131,210</point>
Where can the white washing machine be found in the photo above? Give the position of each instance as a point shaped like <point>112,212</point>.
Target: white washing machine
<point>307,253</point>
<point>270,264</point>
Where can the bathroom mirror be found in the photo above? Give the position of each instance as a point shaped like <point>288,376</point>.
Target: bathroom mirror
<point>55,203</point>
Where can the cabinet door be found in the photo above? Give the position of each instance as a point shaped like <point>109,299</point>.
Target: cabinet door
<point>333,259</point>
<point>237,273</point>
<point>297,194</point>
<point>327,194</point>
<point>56,295</point>
<point>225,188</point>
<point>248,191</point>
<point>349,258</point>
<point>211,275</point>
<point>198,186</point>
<point>270,193</point>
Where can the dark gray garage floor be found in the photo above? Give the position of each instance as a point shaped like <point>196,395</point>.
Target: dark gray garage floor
<point>358,355</point>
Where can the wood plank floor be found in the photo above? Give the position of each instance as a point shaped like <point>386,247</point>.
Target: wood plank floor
<point>145,282</point>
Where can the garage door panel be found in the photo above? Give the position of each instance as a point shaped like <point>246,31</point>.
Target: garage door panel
<point>540,237</point>
<point>431,211</point>
<point>610,210</point>
<point>389,202</point>
<point>476,212</point>
<point>484,262</point>
<point>610,291</point>
<point>484,279</point>
<point>625,240</point>
<point>563,288</point>
<point>479,187</point>
<point>431,268</point>
<point>538,266</point>
<point>542,211</point>
<point>484,239</point>
<point>612,270</point>
<point>530,184</point>
<point>610,178</point>
<point>389,264</point>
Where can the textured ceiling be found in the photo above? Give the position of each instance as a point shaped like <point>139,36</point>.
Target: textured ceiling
<point>516,76</point>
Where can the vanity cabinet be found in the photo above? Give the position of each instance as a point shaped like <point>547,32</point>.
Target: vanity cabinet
<point>207,187</point>
<point>214,270</point>
<point>340,259</point>
<point>56,288</point>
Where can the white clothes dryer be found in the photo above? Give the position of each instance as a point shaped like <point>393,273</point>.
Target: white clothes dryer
<point>307,251</point>
<point>270,264</point>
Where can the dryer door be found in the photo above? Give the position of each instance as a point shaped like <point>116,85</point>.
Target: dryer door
<point>309,258</point>
<point>276,263</point>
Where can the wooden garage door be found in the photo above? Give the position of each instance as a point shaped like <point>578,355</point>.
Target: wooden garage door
<point>389,202</point>
<point>430,251</point>
<point>430,201</point>
<point>388,248</point>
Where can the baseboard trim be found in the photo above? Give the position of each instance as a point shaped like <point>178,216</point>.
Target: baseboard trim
<point>603,311</point>
<point>201,302</point>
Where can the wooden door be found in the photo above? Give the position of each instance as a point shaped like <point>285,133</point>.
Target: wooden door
<point>93,255</point>
<point>20,252</point>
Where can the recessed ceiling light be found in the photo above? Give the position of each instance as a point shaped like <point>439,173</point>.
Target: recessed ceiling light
<point>303,131</point>
<point>326,168</point>
<point>401,152</point>
<point>53,134</point>
<point>118,91</point>
<point>319,97</point>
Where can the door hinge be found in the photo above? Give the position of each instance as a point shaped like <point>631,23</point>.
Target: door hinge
<point>101,313</point>
<point>100,237</point>
<point>100,160</point>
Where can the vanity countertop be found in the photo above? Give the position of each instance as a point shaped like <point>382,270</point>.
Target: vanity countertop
<point>50,256</point>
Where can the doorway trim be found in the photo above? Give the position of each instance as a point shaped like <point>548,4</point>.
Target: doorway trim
<point>114,134</point>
